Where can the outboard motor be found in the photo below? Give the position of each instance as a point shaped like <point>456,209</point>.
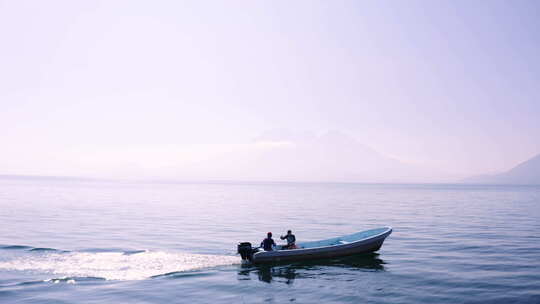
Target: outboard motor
<point>245,250</point>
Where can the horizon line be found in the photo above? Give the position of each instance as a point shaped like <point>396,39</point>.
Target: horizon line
<point>233,182</point>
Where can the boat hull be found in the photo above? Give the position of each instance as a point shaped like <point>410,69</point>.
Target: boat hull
<point>366,245</point>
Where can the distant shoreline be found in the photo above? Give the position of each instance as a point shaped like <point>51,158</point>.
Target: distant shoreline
<point>240,182</point>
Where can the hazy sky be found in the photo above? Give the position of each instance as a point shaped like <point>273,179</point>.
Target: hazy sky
<point>98,87</point>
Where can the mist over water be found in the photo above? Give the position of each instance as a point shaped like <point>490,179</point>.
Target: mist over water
<point>83,96</point>
<point>97,242</point>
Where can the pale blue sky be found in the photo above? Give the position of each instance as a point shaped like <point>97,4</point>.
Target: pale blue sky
<point>85,86</point>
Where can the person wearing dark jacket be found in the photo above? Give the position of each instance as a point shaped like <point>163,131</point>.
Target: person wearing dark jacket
<point>291,240</point>
<point>268,243</point>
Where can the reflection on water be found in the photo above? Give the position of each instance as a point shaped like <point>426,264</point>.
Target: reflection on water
<point>287,273</point>
<point>266,273</point>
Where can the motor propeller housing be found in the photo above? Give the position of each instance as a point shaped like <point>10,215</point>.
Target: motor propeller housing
<point>246,251</point>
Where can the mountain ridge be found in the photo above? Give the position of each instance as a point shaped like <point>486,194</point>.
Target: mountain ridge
<point>525,173</point>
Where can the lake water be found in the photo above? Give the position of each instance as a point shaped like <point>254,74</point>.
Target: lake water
<point>112,242</point>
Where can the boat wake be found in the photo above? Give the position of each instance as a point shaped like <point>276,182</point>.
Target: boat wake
<point>124,265</point>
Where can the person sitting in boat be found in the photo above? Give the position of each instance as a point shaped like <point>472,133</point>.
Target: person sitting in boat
<point>291,240</point>
<point>268,243</point>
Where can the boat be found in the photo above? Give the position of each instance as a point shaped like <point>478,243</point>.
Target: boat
<point>348,245</point>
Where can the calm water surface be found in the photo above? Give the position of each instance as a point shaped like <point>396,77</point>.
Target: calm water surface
<point>111,242</point>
